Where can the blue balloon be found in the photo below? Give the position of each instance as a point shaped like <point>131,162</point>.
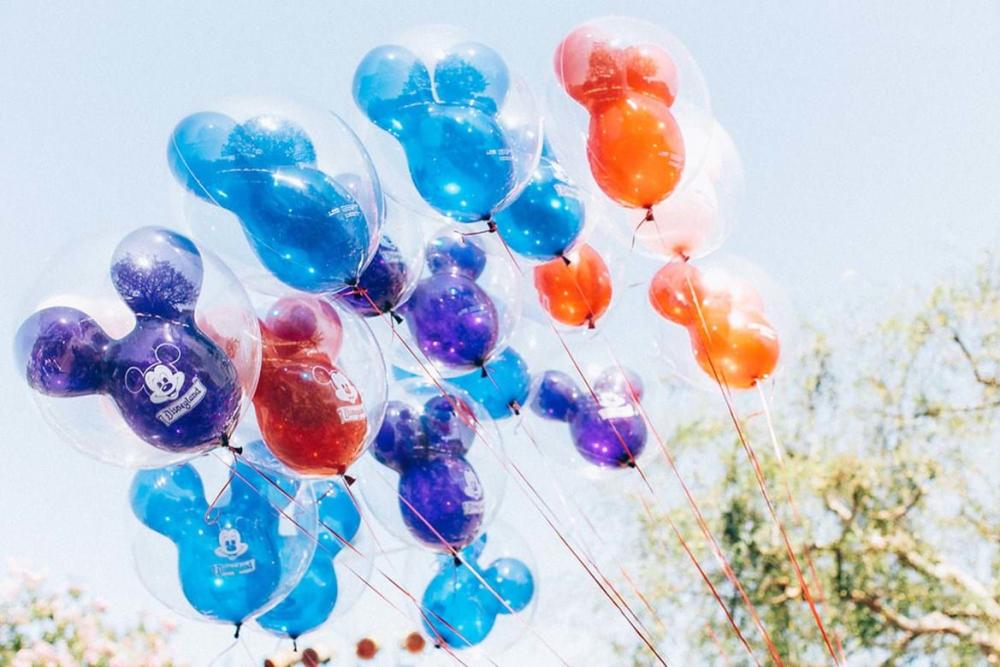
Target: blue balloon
<point>313,599</point>
<point>459,610</point>
<point>304,226</point>
<point>380,286</point>
<point>230,566</point>
<point>459,157</point>
<point>547,217</point>
<point>502,387</point>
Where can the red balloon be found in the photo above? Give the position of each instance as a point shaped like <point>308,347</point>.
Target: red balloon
<point>676,292</point>
<point>738,348</point>
<point>577,293</point>
<point>310,414</point>
<point>634,145</point>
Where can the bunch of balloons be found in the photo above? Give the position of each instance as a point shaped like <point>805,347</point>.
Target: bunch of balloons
<point>413,247</point>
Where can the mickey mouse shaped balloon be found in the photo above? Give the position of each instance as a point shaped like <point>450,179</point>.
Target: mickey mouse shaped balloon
<point>441,497</point>
<point>461,313</point>
<point>313,599</point>
<point>608,430</point>
<point>313,416</point>
<point>461,603</point>
<point>174,387</point>
<point>468,130</point>
<point>311,228</point>
<point>232,556</point>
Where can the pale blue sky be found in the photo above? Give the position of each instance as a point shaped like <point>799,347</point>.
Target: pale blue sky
<point>868,133</point>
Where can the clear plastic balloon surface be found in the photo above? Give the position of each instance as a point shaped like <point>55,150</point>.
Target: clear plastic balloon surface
<point>457,132</point>
<point>285,193</point>
<point>119,348</point>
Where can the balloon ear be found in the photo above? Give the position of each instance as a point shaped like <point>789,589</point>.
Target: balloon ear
<point>62,352</point>
<point>621,381</point>
<point>458,255</point>
<point>338,515</point>
<point>389,82</point>
<point>168,500</point>
<point>266,142</point>
<point>557,396</point>
<point>472,74</point>
<point>194,152</point>
<point>448,424</point>
<point>157,272</point>
<point>589,68</point>
<point>513,582</point>
<point>651,70</point>
<point>400,435</point>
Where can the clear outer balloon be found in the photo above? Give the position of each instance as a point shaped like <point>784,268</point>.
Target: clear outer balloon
<point>732,331</point>
<point>626,106</point>
<point>697,220</point>
<point>577,290</point>
<point>296,181</point>
<point>224,559</point>
<point>605,423</point>
<point>433,477</point>
<point>120,360</point>
<point>548,218</point>
<point>469,604</point>
<point>322,388</point>
<point>451,128</point>
<point>390,278</point>
<point>320,591</point>
<point>463,310</point>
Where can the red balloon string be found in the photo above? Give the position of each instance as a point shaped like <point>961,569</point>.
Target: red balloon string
<point>759,474</point>
<point>709,537</point>
<point>718,644</point>
<point>319,545</point>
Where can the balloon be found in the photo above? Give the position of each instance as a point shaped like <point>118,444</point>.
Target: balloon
<point>634,147</point>
<point>175,388</point>
<point>440,495</point>
<point>676,291</point>
<point>381,286</point>
<point>575,293</point>
<point>732,340</point>
<point>232,559</point>
<point>459,610</point>
<point>501,387</point>
<point>307,228</point>
<point>739,348</point>
<point>546,219</point>
<point>452,318</point>
<point>459,155</point>
<point>609,431</point>
<point>313,599</point>
<point>311,414</point>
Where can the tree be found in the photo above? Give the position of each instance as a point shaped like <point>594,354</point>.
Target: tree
<point>42,627</point>
<point>891,454</point>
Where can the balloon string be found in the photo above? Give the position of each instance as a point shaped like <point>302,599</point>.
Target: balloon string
<point>332,554</point>
<point>551,474</point>
<point>705,531</point>
<point>718,644</point>
<point>506,462</point>
<point>720,379</point>
<point>719,555</point>
<point>796,515</point>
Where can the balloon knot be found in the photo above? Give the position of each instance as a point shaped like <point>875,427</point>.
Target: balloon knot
<point>491,226</point>
<point>295,644</point>
<point>565,259</point>
<point>590,322</point>
<point>649,214</point>
<point>349,480</point>
<point>396,317</point>
<point>631,463</point>
<point>236,635</point>
<point>515,407</point>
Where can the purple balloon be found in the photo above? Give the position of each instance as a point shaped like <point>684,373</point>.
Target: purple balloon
<point>175,388</point>
<point>441,500</point>
<point>453,320</point>
<point>609,431</point>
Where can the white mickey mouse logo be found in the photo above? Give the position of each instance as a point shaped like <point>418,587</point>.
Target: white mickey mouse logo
<point>343,388</point>
<point>231,544</point>
<point>161,380</point>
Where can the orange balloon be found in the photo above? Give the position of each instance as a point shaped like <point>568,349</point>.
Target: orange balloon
<point>634,146</point>
<point>737,348</point>
<point>675,292</point>
<point>577,293</point>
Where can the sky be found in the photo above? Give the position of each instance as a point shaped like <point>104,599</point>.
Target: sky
<point>867,131</point>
